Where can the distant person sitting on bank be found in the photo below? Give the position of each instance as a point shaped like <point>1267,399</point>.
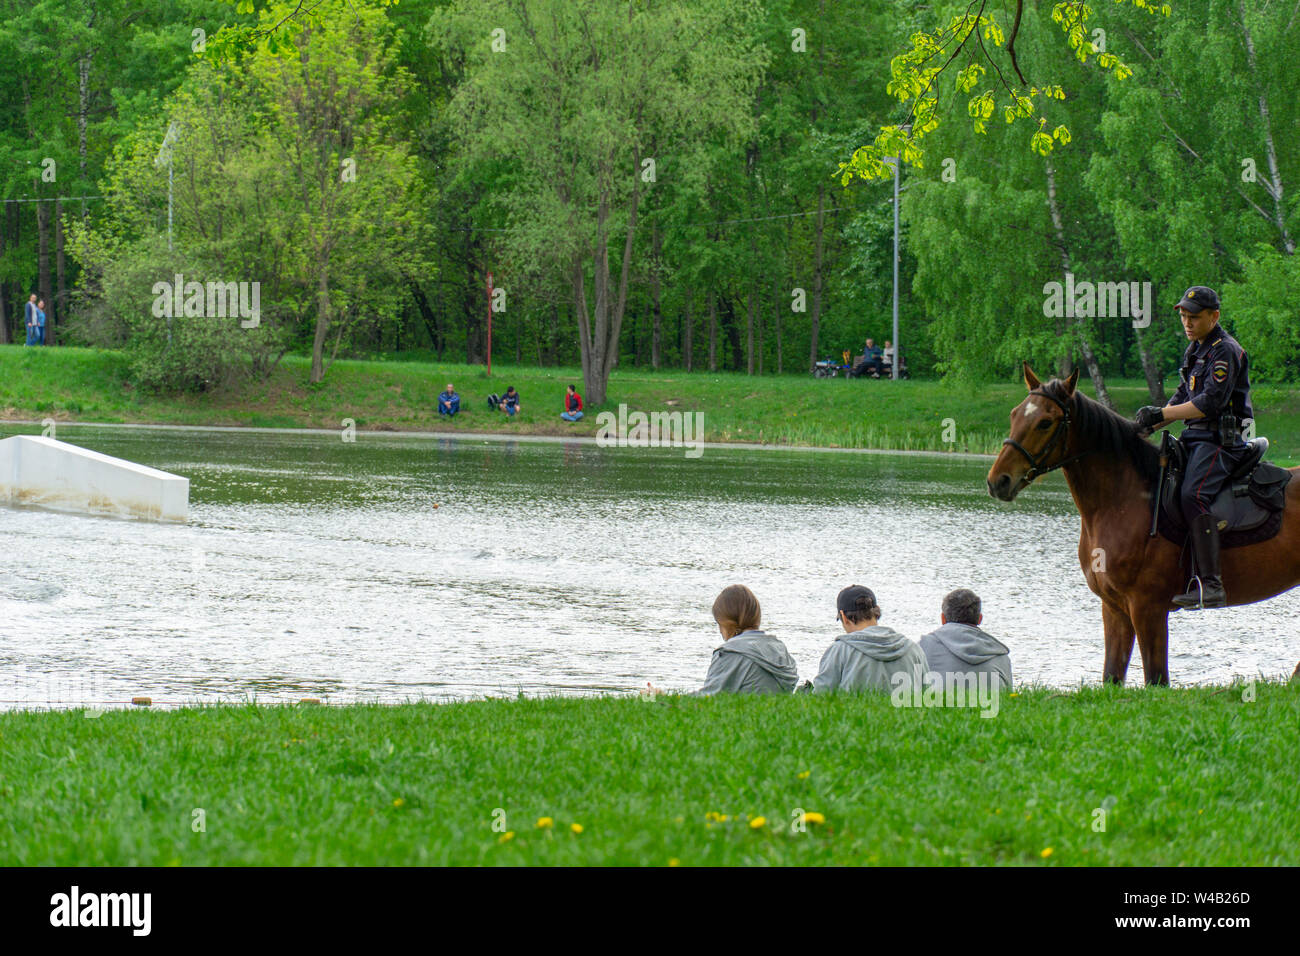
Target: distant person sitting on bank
<point>960,646</point>
<point>508,403</point>
<point>449,401</point>
<point>887,358</point>
<point>749,661</point>
<point>873,359</point>
<point>867,655</point>
<point>572,405</point>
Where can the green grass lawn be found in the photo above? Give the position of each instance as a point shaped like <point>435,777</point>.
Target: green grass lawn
<point>1193,776</point>
<point>91,385</point>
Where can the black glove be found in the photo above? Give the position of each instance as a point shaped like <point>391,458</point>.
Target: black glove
<point>1149,416</point>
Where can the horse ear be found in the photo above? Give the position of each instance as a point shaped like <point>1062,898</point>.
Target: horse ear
<point>1031,380</point>
<point>1072,381</point>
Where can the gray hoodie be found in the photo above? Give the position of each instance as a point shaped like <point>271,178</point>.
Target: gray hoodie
<point>751,663</point>
<point>868,659</point>
<point>965,649</point>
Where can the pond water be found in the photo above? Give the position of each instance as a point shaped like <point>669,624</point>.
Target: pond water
<point>417,567</point>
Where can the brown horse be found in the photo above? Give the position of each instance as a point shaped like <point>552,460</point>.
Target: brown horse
<point>1112,472</point>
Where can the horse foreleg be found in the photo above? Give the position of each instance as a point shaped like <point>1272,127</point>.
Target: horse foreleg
<point>1152,622</point>
<point>1119,642</point>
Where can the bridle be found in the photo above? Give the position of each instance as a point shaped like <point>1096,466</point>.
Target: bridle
<point>1062,427</point>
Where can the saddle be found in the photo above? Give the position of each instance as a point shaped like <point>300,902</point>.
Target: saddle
<point>1249,507</point>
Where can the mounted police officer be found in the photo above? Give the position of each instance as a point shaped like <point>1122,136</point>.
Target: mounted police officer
<point>1214,401</point>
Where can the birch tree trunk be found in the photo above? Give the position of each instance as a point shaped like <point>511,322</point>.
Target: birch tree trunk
<point>1089,359</point>
<point>1274,185</point>
<point>1155,381</point>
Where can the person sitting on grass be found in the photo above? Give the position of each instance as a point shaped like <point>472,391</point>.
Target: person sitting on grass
<point>749,661</point>
<point>572,405</point>
<point>449,401</point>
<point>867,655</point>
<point>960,647</point>
<point>508,403</point>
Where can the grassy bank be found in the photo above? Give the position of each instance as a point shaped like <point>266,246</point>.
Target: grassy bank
<point>93,385</point>
<point>1186,776</point>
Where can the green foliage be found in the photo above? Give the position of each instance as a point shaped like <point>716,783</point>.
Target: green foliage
<point>1262,310</point>
<point>916,82</point>
<point>1165,177</point>
<point>263,194</point>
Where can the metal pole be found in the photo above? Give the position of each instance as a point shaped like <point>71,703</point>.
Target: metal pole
<point>489,329</point>
<point>898,352</point>
<point>169,234</point>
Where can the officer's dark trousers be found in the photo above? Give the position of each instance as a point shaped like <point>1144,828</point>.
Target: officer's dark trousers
<point>1208,467</point>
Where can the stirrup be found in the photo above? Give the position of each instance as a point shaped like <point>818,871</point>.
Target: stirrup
<point>1200,594</point>
<point>1200,604</point>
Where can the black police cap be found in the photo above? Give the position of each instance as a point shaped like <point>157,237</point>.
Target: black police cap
<point>1198,298</point>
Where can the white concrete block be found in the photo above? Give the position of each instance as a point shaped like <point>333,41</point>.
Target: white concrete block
<point>35,470</point>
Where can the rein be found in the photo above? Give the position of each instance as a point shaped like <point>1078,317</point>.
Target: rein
<point>1062,427</point>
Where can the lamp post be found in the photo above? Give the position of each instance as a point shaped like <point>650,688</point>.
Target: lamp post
<point>898,351</point>
<point>165,156</point>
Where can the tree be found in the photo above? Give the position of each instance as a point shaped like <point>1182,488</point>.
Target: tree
<point>330,98</point>
<point>569,95</point>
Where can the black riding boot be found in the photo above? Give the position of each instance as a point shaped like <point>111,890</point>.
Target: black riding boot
<point>1205,549</point>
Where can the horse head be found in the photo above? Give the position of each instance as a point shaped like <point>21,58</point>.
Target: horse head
<point>1038,439</point>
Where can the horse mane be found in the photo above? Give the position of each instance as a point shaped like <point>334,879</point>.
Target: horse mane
<point>1105,430</point>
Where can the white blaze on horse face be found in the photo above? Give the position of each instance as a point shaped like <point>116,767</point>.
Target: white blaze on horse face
<point>1030,408</point>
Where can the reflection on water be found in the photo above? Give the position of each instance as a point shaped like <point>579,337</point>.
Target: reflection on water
<point>399,568</point>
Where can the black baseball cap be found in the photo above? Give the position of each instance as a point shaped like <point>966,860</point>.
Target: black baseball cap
<point>1198,298</point>
<point>848,599</point>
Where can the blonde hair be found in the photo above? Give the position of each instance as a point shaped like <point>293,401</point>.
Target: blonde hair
<point>736,610</point>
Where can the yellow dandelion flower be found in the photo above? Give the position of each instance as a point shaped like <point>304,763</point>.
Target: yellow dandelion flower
<point>1017,694</point>
<point>813,818</point>
<point>757,822</point>
<point>399,802</point>
<point>805,774</point>
<point>674,862</point>
<point>545,822</point>
<point>507,836</point>
<point>1046,853</point>
<point>575,827</point>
